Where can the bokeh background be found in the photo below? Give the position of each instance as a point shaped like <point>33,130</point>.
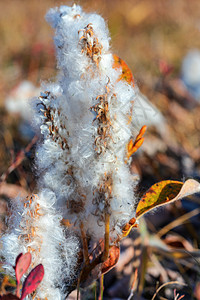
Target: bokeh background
<point>154,38</point>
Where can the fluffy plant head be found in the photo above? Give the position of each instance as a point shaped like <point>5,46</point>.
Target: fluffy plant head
<point>83,159</point>
<point>87,125</point>
<point>35,227</point>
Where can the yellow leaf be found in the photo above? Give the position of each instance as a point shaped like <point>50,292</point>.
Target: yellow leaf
<point>165,192</point>
<point>161,193</point>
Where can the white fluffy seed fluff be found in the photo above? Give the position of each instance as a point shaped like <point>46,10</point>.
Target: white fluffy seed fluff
<point>35,227</point>
<point>85,119</point>
<point>86,126</point>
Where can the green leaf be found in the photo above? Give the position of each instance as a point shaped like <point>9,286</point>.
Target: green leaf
<point>165,192</point>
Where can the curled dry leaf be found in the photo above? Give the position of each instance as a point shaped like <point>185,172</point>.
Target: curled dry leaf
<point>114,253</point>
<point>32,281</point>
<point>22,264</point>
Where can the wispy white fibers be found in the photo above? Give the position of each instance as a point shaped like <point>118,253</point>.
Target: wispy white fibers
<point>83,168</point>
<point>35,227</point>
<point>85,123</point>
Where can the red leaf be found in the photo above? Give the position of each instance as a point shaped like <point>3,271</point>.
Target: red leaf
<point>9,297</point>
<point>114,253</point>
<point>23,262</point>
<point>32,281</point>
<point>17,259</point>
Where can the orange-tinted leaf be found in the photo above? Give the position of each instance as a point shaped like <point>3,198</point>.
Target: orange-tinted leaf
<point>165,192</point>
<point>32,281</point>
<point>141,133</point>
<point>9,297</point>
<point>23,262</point>
<point>132,147</point>
<point>127,228</point>
<point>114,253</point>
<point>126,72</point>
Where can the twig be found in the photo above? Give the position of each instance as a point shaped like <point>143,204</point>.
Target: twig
<point>165,284</point>
<point>133,284</point>
<point>101,287</point>
<point>85,245</point>
<point>176,296</point>
<point>107,231</point>
<point>178,222</point>
<point>18,160</point>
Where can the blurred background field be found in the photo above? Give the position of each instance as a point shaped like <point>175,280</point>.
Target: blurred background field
<point>153,37</point>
